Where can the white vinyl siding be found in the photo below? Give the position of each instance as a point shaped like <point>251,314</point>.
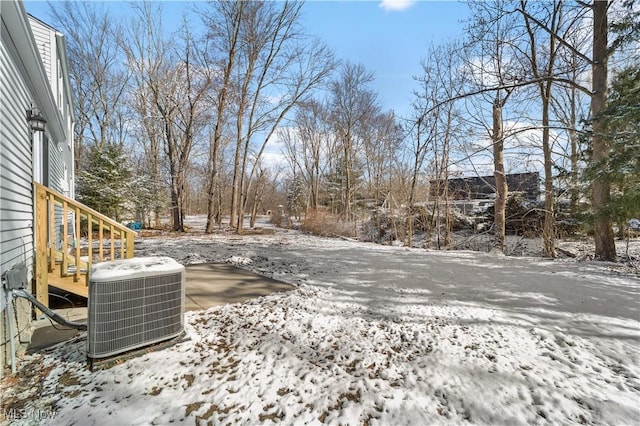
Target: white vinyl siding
<point>45,41</point>
<point>16,193</point>
<point>56,167</point>
<point>33,74</point>
<point>48,41</point>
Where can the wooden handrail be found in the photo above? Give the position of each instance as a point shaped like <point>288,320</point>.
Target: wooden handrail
<point>51,205</point>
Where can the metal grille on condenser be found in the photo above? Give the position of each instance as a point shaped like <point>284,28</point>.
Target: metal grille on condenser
<point>128,314</point>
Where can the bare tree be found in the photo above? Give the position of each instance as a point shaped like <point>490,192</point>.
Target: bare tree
<point>542,63</point>
<point>495,72</point>
<point>146,50</point>
<point>429,110</point>
<point>171,84</point>
<point>307,146</point>
<point>602,50</point>
<point>352,103</point>
<point>418,154</point>
<point>570,107</point>
<point>263,184</point>
<point>381,141</point>
<point>97,77</point>
<point>275,67</point>
<point>304,65</point>
<point>224,21</point>
<point>444,67</point>
<point>192,118</point>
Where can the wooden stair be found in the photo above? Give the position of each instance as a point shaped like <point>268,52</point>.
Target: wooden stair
<point>63,275</point>
<point>70,237</point>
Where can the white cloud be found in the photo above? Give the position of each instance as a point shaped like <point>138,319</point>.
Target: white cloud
<point>396,5</point>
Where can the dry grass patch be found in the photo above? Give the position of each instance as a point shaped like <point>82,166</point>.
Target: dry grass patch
<point>322,223</point>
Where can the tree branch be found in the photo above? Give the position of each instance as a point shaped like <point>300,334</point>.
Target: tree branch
<point>508,87</point>
<point>556,36</point>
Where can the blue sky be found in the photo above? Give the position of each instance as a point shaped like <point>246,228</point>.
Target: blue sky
<point>388,42</point>
<point>388,37</point>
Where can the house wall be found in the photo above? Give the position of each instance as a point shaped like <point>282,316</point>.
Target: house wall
<point>65,104</point>
<point>16,200</point>
<point>33,75</point>
<point>484,186</point>
<point>16,194</point>
<point>45,41</point>
<point>50,44</point>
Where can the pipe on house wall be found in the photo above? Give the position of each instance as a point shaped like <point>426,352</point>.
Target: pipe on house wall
<point>48,312</point>
<point>10,296</point>
<point>12,344</point>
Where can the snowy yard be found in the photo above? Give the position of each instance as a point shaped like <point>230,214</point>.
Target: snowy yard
<point>372,335</point>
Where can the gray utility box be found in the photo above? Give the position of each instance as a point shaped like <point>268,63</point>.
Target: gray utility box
<point>16,277</point>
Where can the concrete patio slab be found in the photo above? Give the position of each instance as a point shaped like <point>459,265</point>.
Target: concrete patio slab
<point>214,284</point>
<point>207,285</point>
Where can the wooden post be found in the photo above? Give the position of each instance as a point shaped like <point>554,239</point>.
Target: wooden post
<point>100,237</point>
<point>76,244</point>
<point>129,246</point>
<point>90,239</point>
<point>50,230</point>
<point>65,241</point>
<point>41,264</point>
<point>123,237</point>
<point>112,245</point>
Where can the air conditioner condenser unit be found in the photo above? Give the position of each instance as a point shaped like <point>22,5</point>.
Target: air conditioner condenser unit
<point>134,303</point>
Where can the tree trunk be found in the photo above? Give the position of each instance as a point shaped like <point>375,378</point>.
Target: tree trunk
<point>347,184</point>
<point>254,211</point>
<point>235,14</point>
<point>412,188</point>
<point>211,200</point>
<point>435,216</point>
<point>545,88</point>
<point>176,184</point>
<point>315,195</point>
<point>548,230</point>
<point>242,150</point>
<point>235,186</point>
<point>445,180</point>
<point>219,194</point>
<point>600,188</point>
<point>242,200</point>
<point>573,139</point>
<point>447,207</point>
<point>500,177</point>
<point>176,202</point>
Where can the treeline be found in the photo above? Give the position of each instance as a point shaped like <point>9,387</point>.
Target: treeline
<point>183,121</point>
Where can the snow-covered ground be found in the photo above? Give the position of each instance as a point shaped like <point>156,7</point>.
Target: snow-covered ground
<point>372,335</point>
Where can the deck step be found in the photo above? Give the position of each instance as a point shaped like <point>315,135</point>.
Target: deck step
<point>59,222</point>
<point>70,286</point>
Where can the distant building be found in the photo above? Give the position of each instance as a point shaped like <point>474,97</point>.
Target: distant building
<point>479,187</point>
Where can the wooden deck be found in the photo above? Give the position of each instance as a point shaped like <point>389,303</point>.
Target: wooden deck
<point>69,238</point>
